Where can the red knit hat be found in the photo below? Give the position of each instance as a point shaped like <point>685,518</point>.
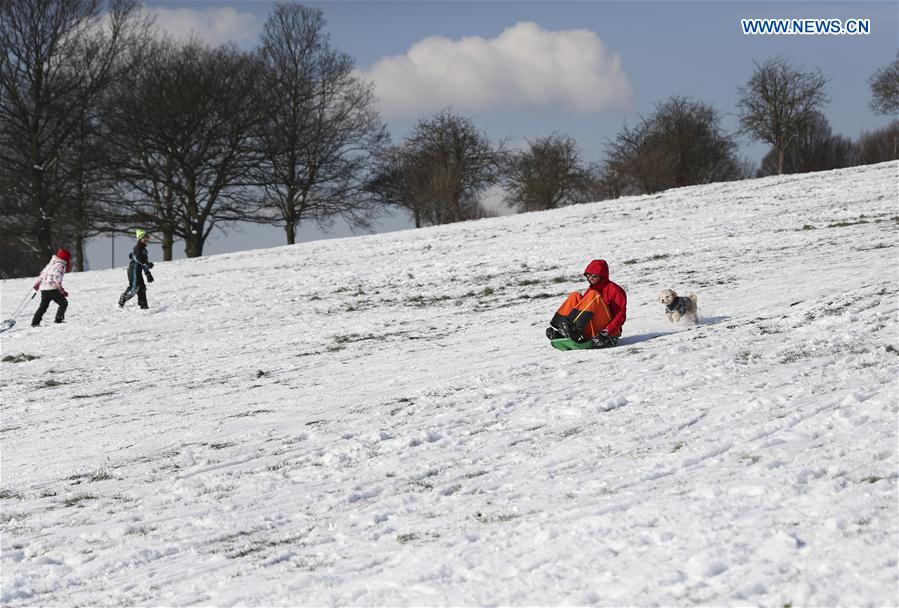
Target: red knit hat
<point>63,254</point>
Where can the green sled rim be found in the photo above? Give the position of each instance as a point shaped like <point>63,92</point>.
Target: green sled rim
<point>569,344</point>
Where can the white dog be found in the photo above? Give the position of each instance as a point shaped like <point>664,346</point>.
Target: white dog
<point>677,308</point>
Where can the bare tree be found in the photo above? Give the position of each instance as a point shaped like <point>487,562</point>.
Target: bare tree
<point>884,85</point>
<point>183,128</point>
<point>631,161</point>
<point>322,131</point>
<point>604,182</point>
<point>393,182</point>
<point>778,103</point>
<point>57,57</point>
<point>680,144</point>
<point>440,171</point>
<point>879,146</point>
<point>547,175</point>
<point>815,149</point>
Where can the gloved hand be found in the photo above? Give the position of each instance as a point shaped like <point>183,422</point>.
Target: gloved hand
<point>37,285</point>
<point>149,276</point>
<point>149,265</point>
<point>64,293</point>
<point>602,339</point>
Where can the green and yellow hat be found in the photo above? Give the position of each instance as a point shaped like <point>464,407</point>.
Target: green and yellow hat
<point>140,234</point>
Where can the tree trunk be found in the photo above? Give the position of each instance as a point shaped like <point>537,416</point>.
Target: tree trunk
<point>780,161</point>
<point>44,237</point>
<point>291,228</point>
<point>193,245</point>
<point>79,253</point>
<point>193,241</point>
<point>168,242</point>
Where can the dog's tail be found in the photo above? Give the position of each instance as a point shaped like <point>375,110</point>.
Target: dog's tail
<point>694,297</point>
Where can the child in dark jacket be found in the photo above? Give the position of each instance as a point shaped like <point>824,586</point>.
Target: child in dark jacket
<point>139,262</point>
<point>50,286</point>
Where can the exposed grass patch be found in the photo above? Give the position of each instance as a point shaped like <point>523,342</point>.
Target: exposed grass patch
<point>750,459</point>
<point>262,545</point>
<point>106,394</point>
<point>139,530</point>
<point>847,223</point>
<point>7,517</point>
<point>421,485</point>
<point>652,258</point>
<point>51,383</point>
<point>745,357</point>
<point>420,300</point>
<point>877,246</point>
<point>409,537</point>
<point>343,339</point>
<point>251,413</point>
<point>21,357</point>
<point>793,356</point>
<point>75,501</point>
<point>491,519</point>
<point>538,296</point>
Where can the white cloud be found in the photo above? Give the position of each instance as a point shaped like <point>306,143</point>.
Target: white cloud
<point>213,25</point>
<point>525,66</point>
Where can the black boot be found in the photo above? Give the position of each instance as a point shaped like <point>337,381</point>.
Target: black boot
<point>569,330</point>
<point>553,334</point>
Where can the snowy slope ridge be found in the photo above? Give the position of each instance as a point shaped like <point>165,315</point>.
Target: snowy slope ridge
<point>380,421</point>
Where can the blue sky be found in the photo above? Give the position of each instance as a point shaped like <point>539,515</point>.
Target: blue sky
<point>577,68</point>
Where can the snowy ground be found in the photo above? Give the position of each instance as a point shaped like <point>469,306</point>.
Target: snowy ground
<point>380,421</point>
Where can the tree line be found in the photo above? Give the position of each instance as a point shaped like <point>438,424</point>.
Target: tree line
<point>106,125</point>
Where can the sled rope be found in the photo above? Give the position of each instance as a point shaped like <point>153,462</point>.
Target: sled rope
<point>590,303</point>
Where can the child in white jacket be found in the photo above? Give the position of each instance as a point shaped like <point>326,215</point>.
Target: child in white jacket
<point>50,286</point>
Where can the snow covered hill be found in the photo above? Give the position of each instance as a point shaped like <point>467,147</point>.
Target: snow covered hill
<point>380,420</point>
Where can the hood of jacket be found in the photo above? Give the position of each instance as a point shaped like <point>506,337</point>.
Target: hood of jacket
<point>598,267</point>
<point>65,265</point>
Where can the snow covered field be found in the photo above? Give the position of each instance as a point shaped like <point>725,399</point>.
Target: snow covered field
<point>380,420</point>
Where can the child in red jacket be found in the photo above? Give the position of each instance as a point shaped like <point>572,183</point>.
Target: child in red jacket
<point>50,286</point>
<point>598,315</point>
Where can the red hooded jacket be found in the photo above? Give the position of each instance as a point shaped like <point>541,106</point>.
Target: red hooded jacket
<point>612,294</point>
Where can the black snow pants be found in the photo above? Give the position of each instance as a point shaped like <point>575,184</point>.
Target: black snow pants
<point>50,295</point>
